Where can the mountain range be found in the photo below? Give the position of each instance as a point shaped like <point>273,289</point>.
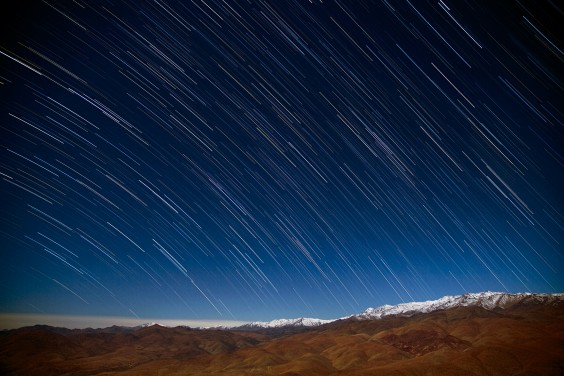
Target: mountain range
<point>473,334</point>
<point>487,300</point>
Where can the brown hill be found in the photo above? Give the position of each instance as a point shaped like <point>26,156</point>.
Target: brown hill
<point>521,340</point>
<point>53,351</point>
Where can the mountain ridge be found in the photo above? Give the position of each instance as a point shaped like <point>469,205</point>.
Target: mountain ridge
<point>517,335</point>
<point>487,299</point>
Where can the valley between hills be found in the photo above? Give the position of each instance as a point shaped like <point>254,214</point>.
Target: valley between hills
<point>525,338</point>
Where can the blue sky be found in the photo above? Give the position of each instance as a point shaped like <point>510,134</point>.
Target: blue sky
<point>257,160</point>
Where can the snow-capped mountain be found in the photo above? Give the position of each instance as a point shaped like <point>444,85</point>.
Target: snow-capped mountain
<point>148,324</point>
<point>488,300</point>
<point>286,323</point>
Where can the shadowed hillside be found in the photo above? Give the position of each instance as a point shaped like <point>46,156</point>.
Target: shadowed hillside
<point>520,340</point>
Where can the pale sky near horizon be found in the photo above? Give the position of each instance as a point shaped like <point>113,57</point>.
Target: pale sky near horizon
<point>18,320</point>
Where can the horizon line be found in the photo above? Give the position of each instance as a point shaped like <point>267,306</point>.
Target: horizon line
<point>15,320</point>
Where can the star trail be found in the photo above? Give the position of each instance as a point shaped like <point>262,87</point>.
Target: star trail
<point>252,160</point>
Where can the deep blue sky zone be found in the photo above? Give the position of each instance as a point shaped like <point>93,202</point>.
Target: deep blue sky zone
<point>277,160</point>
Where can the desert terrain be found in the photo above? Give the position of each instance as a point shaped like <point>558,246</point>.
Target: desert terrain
<point>521,340</point>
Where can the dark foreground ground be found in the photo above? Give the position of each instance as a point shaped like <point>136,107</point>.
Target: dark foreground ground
<point>523,340</point>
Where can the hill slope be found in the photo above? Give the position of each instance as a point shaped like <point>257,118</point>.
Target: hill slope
<point>521,336</point>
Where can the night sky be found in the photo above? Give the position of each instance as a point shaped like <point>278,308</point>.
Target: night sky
<point>254,160</point>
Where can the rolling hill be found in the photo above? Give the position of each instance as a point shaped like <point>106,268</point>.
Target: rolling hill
<point>511,335</point>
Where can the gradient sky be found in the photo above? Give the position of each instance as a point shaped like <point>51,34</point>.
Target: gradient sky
<point>255,160</point>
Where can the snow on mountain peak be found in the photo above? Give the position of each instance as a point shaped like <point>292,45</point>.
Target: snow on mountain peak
<point>280,323</point>
<point>149,324</point>
<point>488,300</point>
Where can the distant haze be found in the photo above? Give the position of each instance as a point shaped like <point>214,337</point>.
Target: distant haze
<point>17,320</point>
